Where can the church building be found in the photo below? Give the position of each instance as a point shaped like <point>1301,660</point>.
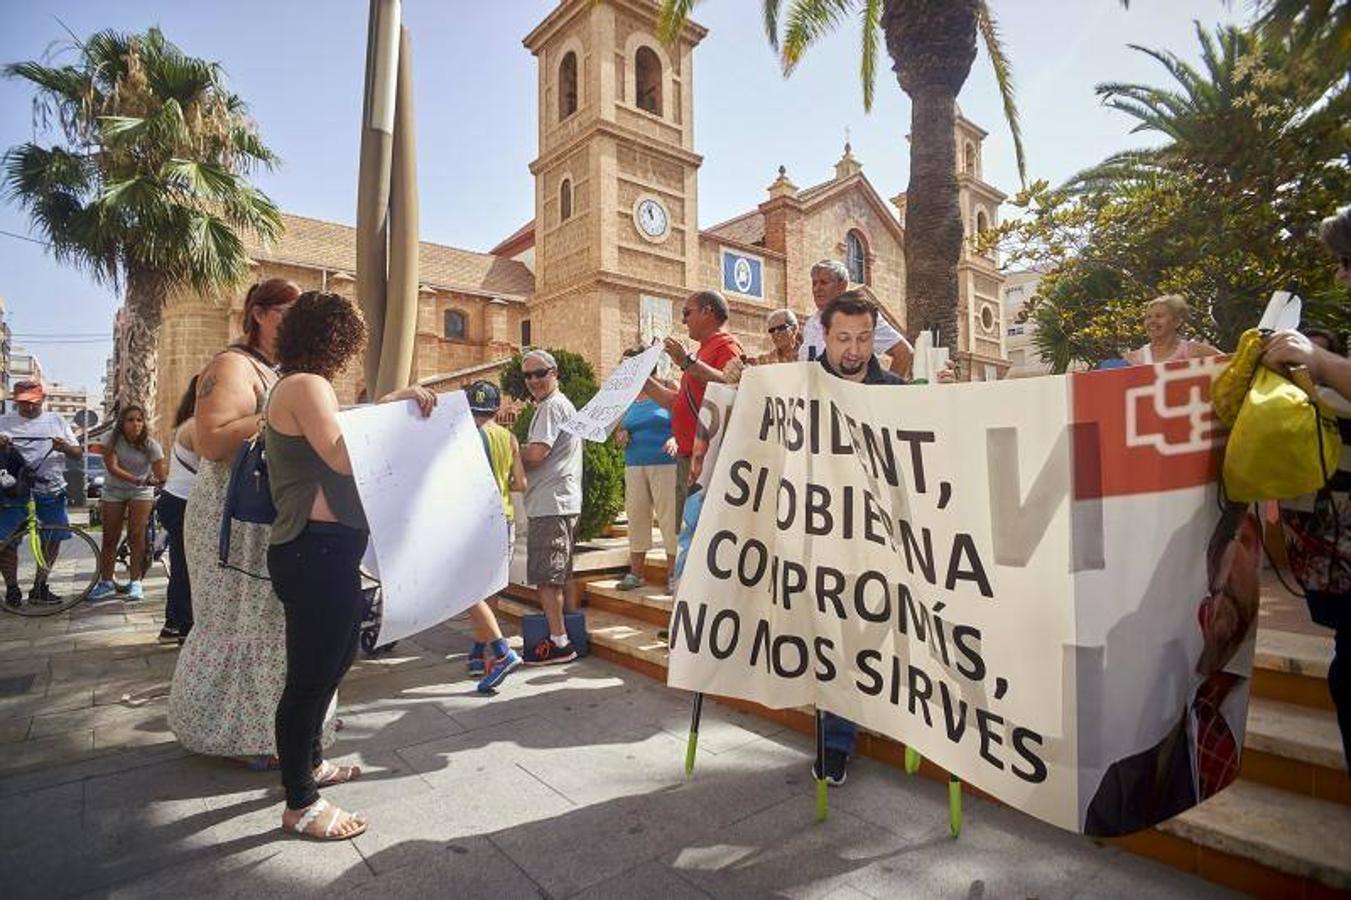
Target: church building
<point>615,244</point>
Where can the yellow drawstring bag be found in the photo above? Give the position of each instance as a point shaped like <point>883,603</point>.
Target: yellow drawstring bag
<point>1282,444</point>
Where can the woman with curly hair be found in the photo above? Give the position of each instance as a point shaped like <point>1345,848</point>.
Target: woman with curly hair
<point>317,542</point>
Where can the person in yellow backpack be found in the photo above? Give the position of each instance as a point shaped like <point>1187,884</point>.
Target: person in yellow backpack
<point>504,456</point>
<point>1318,528</point>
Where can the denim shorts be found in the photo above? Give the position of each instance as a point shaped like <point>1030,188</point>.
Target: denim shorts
<point>51,510</point>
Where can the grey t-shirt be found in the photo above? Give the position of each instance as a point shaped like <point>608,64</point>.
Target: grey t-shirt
<point>136,460</point>
<point>555,485</point>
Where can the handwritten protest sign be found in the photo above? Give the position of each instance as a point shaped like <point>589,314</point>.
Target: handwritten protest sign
<point>416,477</point>
<point>600,415</point>
<point>1029,581</point>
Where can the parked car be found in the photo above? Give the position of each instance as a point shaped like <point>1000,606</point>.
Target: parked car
<point>94,474</point>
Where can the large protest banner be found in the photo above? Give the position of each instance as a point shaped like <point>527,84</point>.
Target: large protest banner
<point>598,417</point>
<point>438,531</point>
<point>1031,582</point>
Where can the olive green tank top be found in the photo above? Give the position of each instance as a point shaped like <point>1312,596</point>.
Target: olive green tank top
<point>296,472</point>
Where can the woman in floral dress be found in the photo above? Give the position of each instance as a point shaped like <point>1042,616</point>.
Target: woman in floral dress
<point>232,668</point>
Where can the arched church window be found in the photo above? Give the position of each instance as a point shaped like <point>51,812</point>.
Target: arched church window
<point>647,80</point>
<point>454,325</point>
<point>567,85</point>
<point>969,159</point>
<point>856,258</point>
<point>565,200</point>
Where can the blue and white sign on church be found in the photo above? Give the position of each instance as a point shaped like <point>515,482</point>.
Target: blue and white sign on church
<point>743,274</point>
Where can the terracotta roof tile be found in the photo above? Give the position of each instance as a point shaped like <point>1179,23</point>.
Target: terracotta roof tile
<point>313,242</point>
<point>745,229</point>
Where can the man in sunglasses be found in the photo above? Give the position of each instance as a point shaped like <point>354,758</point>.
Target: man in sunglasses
<point>553,501</point>
<point>705,316</point>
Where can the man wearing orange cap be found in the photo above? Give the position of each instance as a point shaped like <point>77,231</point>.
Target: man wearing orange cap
<point>43,439</point>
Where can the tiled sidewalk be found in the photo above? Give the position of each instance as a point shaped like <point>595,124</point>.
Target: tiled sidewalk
<point>568,783</point>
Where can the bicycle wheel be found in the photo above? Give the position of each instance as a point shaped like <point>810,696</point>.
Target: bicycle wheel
<point>65,561</point>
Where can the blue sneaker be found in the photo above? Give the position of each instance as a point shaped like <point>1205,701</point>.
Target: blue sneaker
<point>502,667</point>
<point>135,591</point>
<point>103,592</point>
<point>476,664</point>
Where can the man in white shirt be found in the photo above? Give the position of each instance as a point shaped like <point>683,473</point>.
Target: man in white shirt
<point>45,441</point>
<point>830,279</point>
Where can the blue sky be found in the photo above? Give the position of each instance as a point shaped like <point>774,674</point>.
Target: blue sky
<point>298,63</point>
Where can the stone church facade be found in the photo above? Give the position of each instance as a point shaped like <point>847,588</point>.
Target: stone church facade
<point>614,246</point>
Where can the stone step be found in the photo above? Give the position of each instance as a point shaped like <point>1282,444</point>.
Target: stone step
<point>1292,668</point>
<point>1275,830</point>
<point>1295,748</point>
<point>1287,750</point>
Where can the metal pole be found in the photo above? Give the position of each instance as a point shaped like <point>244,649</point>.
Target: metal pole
<point>693,742</point>
<point>822,803</point>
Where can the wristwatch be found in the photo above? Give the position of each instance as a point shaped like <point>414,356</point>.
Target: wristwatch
<point>685,363</point>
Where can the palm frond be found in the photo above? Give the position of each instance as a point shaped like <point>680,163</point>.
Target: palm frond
<point>808,22</point>
<point>770,12</point>
<point>872,27</point>
<point>1003,73</point>
<point>672,18</point>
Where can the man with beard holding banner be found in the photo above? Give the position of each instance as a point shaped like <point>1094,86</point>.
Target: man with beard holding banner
<point>849,323</point>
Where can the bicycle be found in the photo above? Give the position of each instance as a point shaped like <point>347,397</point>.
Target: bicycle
<point>59,563</point>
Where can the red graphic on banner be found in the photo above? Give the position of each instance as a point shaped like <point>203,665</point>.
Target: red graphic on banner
<point>1145,429</point>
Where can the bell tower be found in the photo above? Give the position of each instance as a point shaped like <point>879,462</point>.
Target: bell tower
<point>616,223</point>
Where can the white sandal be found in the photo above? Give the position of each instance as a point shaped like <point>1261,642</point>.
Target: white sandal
<point>315,810</point>
<point>329,774</point>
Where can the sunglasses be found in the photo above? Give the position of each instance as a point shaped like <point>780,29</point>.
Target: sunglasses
<point>775,329</point>
<point>537,373</point>
<point>686,312</point>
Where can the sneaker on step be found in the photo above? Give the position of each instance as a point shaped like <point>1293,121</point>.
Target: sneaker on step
<point>170,635</point>
<point>13,595</point>
<point>501,668</point>
<point>103,592</point>
<point>135,591</point>
<point>629,582</point>
<point>836,763</point>
<point>547,653</point>
<point>477,666</point>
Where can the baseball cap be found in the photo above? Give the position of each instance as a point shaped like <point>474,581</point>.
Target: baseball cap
<point>484,397</point>
<point>29,392</point>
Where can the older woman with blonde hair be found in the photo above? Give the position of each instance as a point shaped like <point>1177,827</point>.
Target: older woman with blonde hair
<point>1163,321</point>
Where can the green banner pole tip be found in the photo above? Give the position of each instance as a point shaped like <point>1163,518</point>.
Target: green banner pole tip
<point>955,806</point>
<point>822,803</point>
<point>690,748</point>
<point>912,760</point>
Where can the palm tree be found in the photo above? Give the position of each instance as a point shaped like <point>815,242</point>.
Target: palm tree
<point>147,190</point>
<point>932,44</point>
<point>1256,132</point>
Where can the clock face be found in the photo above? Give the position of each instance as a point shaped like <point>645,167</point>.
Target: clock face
<point>651,217</point>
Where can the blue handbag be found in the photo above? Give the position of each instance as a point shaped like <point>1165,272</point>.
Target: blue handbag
<point>248,497</point>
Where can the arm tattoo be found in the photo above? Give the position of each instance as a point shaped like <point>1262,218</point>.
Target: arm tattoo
<point>207,385</point>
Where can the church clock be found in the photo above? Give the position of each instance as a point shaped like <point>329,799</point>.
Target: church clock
<point>651,218</point>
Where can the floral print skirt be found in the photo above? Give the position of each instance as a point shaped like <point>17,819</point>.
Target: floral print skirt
<point>232,669</point>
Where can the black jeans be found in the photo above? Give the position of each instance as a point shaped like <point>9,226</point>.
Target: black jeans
<point>318,579</point>
<point>178,608</point>
<point>1334,611</point>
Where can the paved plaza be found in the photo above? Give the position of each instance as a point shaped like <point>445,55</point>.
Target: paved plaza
<point>569,783</point>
